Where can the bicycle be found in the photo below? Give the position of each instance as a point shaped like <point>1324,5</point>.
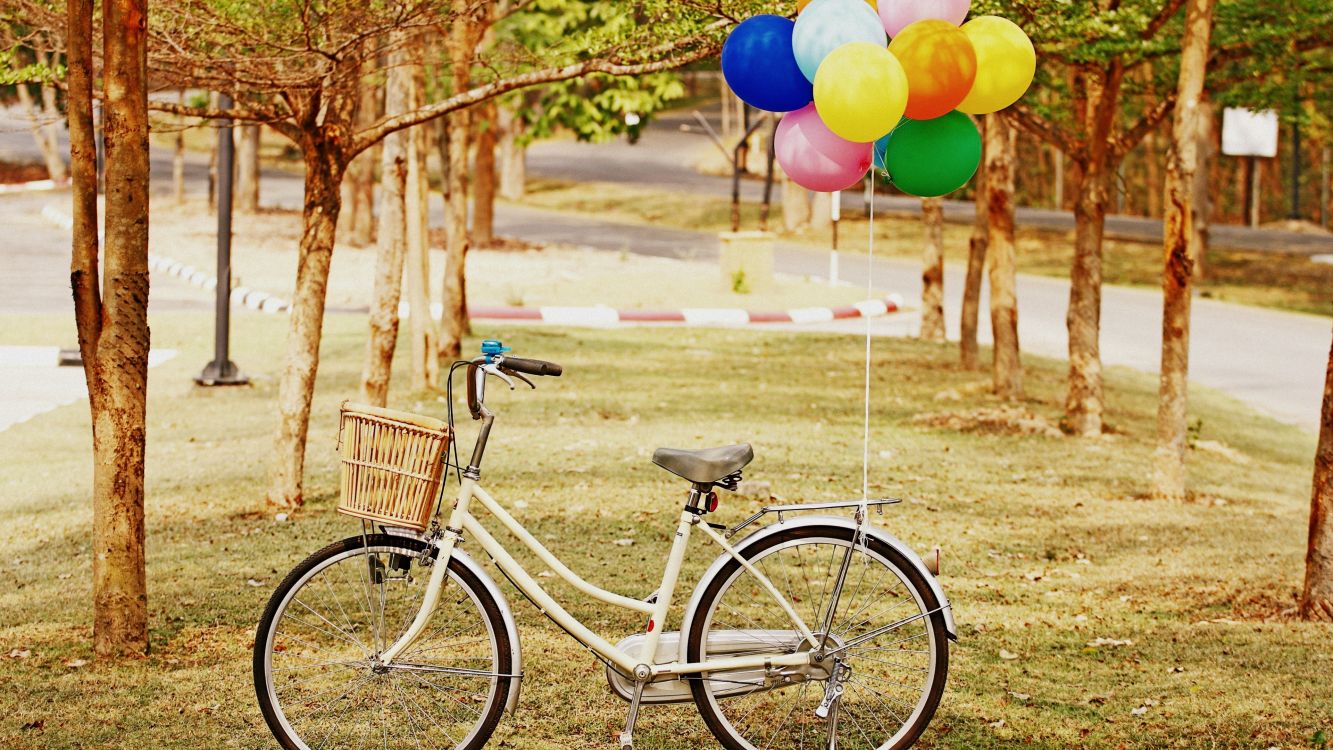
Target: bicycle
<point>822,630</point>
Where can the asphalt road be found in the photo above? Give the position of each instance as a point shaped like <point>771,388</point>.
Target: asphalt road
<point>664,157</point>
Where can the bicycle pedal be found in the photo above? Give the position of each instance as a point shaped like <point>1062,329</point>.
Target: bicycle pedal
<point>626,741</point>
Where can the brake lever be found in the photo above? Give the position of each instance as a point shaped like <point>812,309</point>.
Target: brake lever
<point>520,376</point>
<point>495,370</point>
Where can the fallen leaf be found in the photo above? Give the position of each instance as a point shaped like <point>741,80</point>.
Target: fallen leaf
<point>1009,655</point>
<point>1020,696</point>
<point>997,724</point>
<point>253,582</point>
<point>624,542</point>
<point>1099,642</point>
<point>19,653</point>
<point>1141,710</point>
<point>76,663</point>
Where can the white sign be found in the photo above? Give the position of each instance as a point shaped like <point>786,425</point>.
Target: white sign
<point>1249,133</point>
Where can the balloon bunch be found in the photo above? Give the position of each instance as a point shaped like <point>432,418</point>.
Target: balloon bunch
<point>854,99</point>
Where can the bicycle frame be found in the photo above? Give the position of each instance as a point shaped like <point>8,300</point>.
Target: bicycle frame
<point>461,520</point>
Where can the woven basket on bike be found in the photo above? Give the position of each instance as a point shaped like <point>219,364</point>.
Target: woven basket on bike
<point>391,465</point>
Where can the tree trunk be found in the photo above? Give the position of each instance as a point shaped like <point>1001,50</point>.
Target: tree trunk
<point>213,161</point>
<point>44,123</point>
<point>1007,370</point>
<point>1083,402</point>
<point>795,205</point>
<point>178,157</point>
<point>1179,249</point>
<point>821,212</point>
<point>513,156</point>
<point>113,332</point>
<point>247,169</point>
<point>454,322</point>
<point>1317,596</point>
<point>319,221</point>
<point>359,229</point>
<point>1154,173</point>
<point>392,235</point>
<point>976,263</point>
<point>1203,199</point>
<point>932,270</point>
<point>483,200</point>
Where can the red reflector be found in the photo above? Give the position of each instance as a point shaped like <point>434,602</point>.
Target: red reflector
<point>650,626</point>
<point>712,502</point>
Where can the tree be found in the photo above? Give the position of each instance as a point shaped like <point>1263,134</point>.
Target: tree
<point>1317,596</point>
<point>976,262</point>
<point>391,239</point>
<point>932,270</point>
<point>1007,369</point>
<point>1180,249</point>
<point>1090,54</point>
<point>247,169</point>
<point>483,201</point>
<point>112,316</point>
<point>300,73</point>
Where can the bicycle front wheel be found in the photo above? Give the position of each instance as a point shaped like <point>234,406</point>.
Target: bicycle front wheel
<point>319,682</point>
<point>889,677</point>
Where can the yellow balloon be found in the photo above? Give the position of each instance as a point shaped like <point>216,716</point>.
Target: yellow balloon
<point>800,4</point>
<point>1006,62</point>
<point>860,91</point>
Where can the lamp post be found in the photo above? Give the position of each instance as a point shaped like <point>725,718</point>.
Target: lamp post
<point>222,371</point>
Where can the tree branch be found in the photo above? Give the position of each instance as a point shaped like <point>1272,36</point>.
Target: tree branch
<point>1027,118</point>
<point>1150,120</point>
<point>373,134</point>
<point>1168,10</point>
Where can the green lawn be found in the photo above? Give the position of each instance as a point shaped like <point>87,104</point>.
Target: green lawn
<point>1288,281</point>
<point>1048,544</point>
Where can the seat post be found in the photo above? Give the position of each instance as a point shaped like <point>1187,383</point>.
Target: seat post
<point>698,492</point>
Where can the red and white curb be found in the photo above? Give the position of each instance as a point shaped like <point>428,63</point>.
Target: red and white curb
<point>35,186</point>
<point>603,317</point>
<point>599,316</point>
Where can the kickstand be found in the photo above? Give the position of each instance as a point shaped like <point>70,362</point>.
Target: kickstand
<point>627,736</point>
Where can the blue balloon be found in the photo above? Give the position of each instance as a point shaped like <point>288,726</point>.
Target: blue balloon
<point>825,25</point>
<point>759,66</point>
<point>882,146</point>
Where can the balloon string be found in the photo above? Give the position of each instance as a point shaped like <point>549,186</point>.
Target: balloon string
<point>870,291</point>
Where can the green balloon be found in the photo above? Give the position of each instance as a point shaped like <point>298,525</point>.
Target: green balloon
<point>929,158</point>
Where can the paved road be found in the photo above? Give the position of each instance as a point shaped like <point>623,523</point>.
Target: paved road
<point>1272,360</point>
<point>664,158</point>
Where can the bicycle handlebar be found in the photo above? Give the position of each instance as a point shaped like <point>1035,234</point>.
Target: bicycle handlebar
<point>532,366</point>
<point>475,376</point>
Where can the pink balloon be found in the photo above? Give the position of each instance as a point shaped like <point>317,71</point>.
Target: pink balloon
<point>816,159</point>
<point>898,14</point>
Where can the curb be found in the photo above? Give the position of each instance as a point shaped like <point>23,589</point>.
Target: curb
<point>598,316</point>
<point>36,186</point>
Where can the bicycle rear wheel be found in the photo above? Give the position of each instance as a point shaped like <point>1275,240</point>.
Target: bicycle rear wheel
<point>316,675</point>
<point>891,683</point>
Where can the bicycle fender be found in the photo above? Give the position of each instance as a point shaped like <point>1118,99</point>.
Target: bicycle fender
<point>838,521</point>
<point>511,628</point>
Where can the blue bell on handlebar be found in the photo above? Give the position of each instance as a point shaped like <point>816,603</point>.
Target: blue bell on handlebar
<point>492,347</point>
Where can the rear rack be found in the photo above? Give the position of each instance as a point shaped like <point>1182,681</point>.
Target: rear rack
<point>798,507</point>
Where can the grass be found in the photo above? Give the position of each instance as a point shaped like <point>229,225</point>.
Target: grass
<point>1287,281</point>
<point>1048,542</point>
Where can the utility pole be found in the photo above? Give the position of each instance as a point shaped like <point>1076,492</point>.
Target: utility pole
<point>222,371</point>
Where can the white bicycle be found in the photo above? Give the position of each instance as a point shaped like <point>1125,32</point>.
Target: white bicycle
<point>812,631</point>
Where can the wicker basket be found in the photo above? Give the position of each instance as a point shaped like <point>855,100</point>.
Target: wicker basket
<point>392,463</point>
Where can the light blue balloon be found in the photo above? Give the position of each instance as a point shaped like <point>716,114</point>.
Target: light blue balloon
<point>826,25</point>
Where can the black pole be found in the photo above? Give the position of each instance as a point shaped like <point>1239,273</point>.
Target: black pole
<point>1295,170</point>
<point>222,371</point>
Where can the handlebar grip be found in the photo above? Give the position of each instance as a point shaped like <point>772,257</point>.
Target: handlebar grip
<point>473,405</point>
<point>532,366</point>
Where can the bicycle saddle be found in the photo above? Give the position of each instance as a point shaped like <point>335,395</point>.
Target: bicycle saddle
<point>704,466</point>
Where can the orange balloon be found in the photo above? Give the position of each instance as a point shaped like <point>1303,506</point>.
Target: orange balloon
<point>800,4</point>
<point>940,64</point>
